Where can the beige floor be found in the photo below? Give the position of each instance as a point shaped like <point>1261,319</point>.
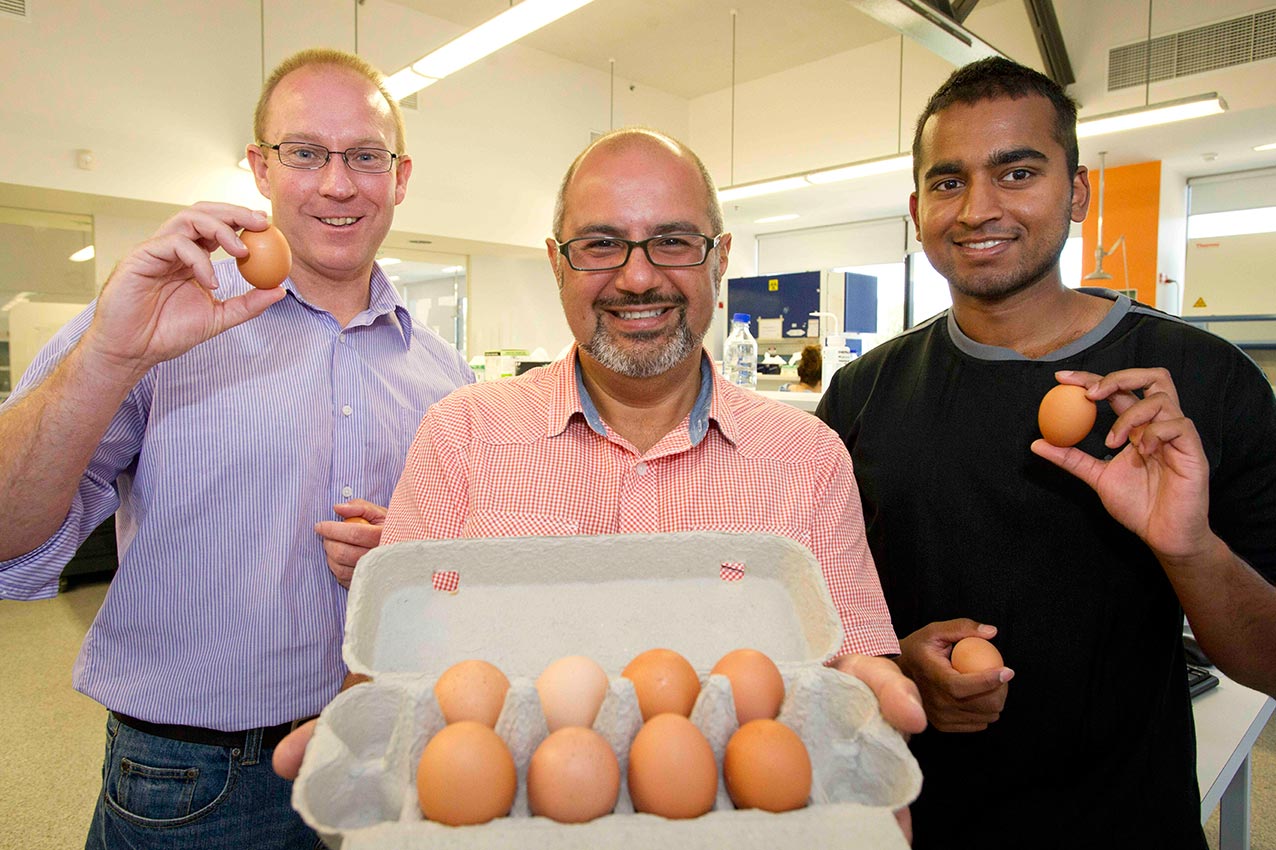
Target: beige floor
<point>52,736</point>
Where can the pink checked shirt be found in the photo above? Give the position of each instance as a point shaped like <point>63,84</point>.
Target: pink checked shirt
<point>531,456</point>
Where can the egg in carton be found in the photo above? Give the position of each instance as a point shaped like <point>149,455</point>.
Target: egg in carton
<point>521,603</point>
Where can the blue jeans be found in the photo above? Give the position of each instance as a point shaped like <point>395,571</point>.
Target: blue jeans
<point>162,794</point>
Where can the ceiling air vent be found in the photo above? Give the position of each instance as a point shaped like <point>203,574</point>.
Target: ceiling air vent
<point>408,102</point>
<point>13,8</point>
<point>1225,44</point>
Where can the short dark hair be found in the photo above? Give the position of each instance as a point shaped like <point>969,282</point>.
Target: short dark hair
<point>811,365</point>
<point>996,77</point>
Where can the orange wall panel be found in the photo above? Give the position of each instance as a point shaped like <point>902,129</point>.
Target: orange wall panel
<point>1131,208</point>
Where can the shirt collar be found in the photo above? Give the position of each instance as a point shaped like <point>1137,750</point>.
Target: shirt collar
<point>383,299</point>
<point>697,423</point>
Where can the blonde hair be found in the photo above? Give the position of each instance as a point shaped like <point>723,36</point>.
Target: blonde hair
<point>331,58</point>
<point>640,135</point>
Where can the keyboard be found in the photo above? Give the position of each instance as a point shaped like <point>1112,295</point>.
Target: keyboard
<point>1200,680</point>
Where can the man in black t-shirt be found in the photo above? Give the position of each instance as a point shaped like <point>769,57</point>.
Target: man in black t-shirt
<point>1079,562</point>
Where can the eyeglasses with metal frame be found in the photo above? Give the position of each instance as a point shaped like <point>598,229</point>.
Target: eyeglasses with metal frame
<point>666,251</point>
<point>308,157</point>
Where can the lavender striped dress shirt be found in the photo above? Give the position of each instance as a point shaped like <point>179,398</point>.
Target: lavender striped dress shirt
<point>223,613</point>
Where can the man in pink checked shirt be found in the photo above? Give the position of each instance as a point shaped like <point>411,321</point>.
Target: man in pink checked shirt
<point>634,431</point>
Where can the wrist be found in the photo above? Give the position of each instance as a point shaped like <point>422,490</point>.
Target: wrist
<point>1209,550</point>
<point>105,369</point>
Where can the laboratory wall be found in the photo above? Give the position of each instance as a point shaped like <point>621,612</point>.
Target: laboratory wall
<point>514,304</point>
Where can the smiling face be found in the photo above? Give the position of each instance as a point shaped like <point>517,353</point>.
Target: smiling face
<point>994,197</point>
<point>638,320</point>
<point>334,218</point>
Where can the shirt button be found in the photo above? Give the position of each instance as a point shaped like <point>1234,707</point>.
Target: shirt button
<point>641,468</point>
<point>347,492</point>
<point>341,338</point>
<point>347,409</point>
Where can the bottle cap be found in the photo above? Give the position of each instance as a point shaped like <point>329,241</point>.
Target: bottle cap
<point>740,317</point>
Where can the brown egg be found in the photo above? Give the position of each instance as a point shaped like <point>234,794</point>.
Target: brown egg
<point>975,655</point>
<point>466,775</point>
<point>1066,415</point>
<point>672,772</point>
<point>573,776</point>
<point>472,690</point>
<point>766,766</point>
<point>572,690</point>
<point>357,520</point>
<point>664,682</point>
<point>269,258</point>
<point>756,684</point>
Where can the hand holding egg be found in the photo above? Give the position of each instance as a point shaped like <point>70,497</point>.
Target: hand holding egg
<point>954,701</point>
<point>1157,485</point>
<point>156,306</point>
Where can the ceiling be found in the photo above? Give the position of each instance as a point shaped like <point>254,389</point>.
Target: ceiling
<point>685,48</point>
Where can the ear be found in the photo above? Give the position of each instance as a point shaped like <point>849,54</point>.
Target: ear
<point>1080,193</point>
<point>724,249</point>
<point>257,164</point>
<point>551,251</point>
<point>402,171</point>
<point>912,212</point>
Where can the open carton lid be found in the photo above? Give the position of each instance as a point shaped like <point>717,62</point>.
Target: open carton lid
<point>422,606</point>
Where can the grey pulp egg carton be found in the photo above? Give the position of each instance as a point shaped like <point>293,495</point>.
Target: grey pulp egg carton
<point>417,608</point>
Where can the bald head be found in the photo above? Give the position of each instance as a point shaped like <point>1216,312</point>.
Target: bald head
<point>633,138</point>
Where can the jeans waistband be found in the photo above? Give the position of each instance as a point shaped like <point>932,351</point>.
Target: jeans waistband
<point>270,735</point>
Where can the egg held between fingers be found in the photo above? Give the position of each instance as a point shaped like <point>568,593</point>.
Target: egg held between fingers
<point>269,260</point>
<point>1066,415</point>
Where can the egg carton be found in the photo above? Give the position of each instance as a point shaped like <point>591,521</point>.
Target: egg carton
<point>417,608</point>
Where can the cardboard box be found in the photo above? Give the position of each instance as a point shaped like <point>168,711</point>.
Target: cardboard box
<point>521,603</point>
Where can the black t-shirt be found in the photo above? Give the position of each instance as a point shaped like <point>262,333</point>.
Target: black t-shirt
<point>1095,746</point>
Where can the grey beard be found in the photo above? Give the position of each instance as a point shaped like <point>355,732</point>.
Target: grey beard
<point>641,365</point>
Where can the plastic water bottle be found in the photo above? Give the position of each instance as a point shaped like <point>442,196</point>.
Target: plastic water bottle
<point>740,354</point>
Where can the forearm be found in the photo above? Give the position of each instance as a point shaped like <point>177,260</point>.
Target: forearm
<point>1232,612</point>
<point>46,441</point>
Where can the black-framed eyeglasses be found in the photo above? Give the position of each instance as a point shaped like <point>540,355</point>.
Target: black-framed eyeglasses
<point>310,157</point>
<point>668,251</point>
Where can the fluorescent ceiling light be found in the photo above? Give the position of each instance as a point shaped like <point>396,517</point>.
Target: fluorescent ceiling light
<point>1231,223</point>
<point>404,82</point>
<point>850,171</point>
<point>389,261</point>
<point>83,255</point>
<point>763,187</point>
<point>1268,147</point>
<point>1112,122</point>
<point>868,168</point>
<point>771,219</point>
<point>1149,116</point>
<point>452,269</point>
<point>20,298</point>
<point>485,39</point>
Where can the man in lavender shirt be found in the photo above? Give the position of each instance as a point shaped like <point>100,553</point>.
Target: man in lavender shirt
<point>232,429</point>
